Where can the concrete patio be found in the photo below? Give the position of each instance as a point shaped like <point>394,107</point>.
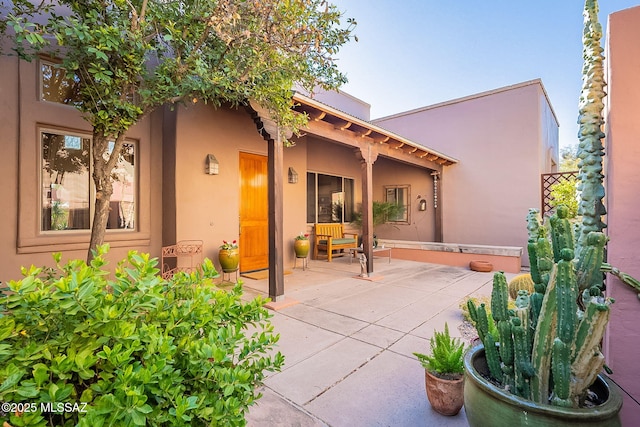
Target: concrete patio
<point>348,342</point>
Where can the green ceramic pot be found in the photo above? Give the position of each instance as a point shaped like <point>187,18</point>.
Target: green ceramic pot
<point>487,405</point>
<point>301,247</point>
<point>229,259</point>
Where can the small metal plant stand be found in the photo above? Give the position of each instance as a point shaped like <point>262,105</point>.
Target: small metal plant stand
<point>305,261</point>
<point>229,273</point>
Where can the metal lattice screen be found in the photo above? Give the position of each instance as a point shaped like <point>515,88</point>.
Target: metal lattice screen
<point>548,180</point>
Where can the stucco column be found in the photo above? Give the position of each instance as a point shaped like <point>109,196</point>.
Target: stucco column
<point>367,155</point>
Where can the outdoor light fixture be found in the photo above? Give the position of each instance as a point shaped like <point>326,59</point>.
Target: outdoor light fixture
<point>422,205</point>
<point>212,166</point>
<point>293,176</point>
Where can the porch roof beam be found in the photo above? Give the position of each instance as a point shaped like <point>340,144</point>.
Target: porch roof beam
<point>328,131</point>
<point>346,123</point>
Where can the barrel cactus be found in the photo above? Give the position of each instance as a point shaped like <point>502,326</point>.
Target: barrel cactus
<point>522,282</point>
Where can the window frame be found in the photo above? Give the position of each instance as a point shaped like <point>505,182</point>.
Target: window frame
<point>343,191</point>
<point>406,219</point>
<point>92,191</point>
<point>45,60</point>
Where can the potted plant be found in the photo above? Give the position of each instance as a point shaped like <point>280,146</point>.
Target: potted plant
<point>229,256</point>
<point>444,369</point>
<point>383,212</point>
<point>542,367</point>
<point>301,245</point>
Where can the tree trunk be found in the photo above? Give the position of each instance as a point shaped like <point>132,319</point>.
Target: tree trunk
<point>103,165</point>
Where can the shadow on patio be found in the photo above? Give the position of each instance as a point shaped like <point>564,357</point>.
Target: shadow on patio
<point>348,342</point>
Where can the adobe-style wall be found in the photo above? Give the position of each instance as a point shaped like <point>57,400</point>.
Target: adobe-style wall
<point>500,139</point>
<point>501,258</point>
<point>623,201</point>
<point>207,206</point>
<point>421,224</point>
<point>21,114</point>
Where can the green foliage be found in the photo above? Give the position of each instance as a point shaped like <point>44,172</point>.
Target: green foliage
<point>477,302</point>
<point>138,350</point>
<point>131,57</point>
<point>568,158</point>
<point>565,193</point>
<point>447,354</point>
<point>383,212</point>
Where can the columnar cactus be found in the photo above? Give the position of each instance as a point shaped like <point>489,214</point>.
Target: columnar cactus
<point>567,314</point>
<point>590,148</point>
<point>549,354</point>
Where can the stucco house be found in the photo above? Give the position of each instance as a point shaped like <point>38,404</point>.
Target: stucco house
<point>504,140</point>
<point>166,194</point>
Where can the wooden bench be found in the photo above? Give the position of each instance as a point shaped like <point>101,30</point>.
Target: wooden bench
<point>331,237</point>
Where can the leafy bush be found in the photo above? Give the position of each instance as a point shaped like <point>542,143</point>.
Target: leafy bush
<point>382,212</point>
<point>565,193</point>
<point>137,349</point>
<point>447,354</point>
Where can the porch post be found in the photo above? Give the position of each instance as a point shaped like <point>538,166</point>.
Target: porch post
<point>276,217</point>
<point>367,155</point>
<point>270,132</point>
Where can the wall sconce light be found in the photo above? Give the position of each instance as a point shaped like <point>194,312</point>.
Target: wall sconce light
<point>212,167</point>
<point>293,176</point>
<point>422,205</point>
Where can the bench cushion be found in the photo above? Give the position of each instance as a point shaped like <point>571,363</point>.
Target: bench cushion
<point>338,241</point>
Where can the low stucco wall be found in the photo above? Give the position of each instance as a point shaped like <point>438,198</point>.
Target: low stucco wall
<point>503,258</point>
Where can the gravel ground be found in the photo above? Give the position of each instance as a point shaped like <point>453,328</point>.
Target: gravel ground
<point>468,331</point>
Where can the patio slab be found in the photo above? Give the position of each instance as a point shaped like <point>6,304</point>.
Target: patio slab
<point>349,343</point>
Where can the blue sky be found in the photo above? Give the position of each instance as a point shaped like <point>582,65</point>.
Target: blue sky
<point>413,53</point>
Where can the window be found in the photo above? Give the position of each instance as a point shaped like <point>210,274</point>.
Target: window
<point>398,194</point>
<point>67,188</point>
<point>329,198</point>
<point>56,87</point>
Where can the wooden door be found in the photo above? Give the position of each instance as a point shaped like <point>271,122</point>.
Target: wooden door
<point>254,205</point>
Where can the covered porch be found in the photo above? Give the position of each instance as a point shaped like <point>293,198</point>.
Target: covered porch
<point>356,143</point>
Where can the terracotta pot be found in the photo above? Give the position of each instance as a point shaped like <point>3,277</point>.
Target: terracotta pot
<point>488,405</point>
<point>481,266</point>
<point>229,259</point>
<point>445,395</point>
<point>301,247</point>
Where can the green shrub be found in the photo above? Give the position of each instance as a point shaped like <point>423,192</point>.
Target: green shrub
<point>447,354</point>
<point>138,350</point>
<point>565,193</point>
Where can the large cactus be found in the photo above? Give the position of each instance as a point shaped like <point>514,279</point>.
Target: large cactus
<point>554,357</point>
<point>590,148</point>
<point>567,314</point>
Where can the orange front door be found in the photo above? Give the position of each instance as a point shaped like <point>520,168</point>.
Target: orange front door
<point>254,221</point>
